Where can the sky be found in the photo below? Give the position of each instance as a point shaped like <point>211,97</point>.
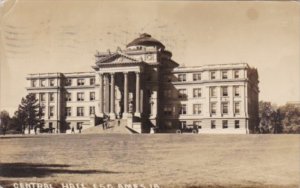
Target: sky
<point>39,36</point>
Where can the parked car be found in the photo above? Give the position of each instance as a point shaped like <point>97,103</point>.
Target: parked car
<point>47,130</point>
<point>187,129</point>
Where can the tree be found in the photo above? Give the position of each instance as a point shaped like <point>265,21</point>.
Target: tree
<point>291,118</point>
<point>40,115</point>
<point>19,119</point>
<point>29,113</point>
<point>4,120</point>
<point>15,125</point>
<point>265,116</point>
<point>270,118</point>
<point>277,117</point>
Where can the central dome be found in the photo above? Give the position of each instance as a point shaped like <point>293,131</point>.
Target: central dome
<point>145,40</point>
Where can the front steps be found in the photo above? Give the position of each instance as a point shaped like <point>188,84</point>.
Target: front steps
<point>113,128</point>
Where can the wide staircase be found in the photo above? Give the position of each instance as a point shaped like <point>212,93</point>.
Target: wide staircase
<point>112,127</point>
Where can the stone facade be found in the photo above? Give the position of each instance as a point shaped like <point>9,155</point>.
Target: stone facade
<point>145,86</point>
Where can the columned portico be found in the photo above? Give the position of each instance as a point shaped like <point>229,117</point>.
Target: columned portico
<point>121,94</point>
<point>110,99</point>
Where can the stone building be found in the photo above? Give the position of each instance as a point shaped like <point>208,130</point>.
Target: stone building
<point>144,87</point>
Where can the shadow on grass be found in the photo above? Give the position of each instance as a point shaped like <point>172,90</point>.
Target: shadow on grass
<point>19,170</point>
<point>22,136</point>
<point>19,136</point>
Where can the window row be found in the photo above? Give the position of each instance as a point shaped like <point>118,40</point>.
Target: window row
<point>68,82</point>
<point>81,96</point>
<point>43,83</point>
<point>213,124</point>
<point>225,108</point>
<point>51,111</point>
<point>182,77</point>
<point>224,91</point>
<point>42,97</point>
<point>68,111</point>
<point>197,92</point>
<point>79,111</point>
<point>79,81</point>
<point>198,108</point>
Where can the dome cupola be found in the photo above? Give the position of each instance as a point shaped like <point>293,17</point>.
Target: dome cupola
<point>146,40</point>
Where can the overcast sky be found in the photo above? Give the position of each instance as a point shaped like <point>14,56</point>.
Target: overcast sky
<point>63,36</point>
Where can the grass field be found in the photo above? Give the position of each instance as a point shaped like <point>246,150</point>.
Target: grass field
<point>169,160</point>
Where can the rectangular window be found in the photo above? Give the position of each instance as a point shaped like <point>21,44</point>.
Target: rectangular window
<point>236,91</point>
<point>225,91</point>
<point>225,108</point>
<point>237,108</point>
<point>92,110</point>
<point>51,97</point>
<point>80,96</point>
<point>42,97</point>
<point>51,82</point>
<point>236,124</point>
<point>43,82</point>
<point>225,124</point>
<point>168,93</point>
<point>68,111</point>
<point>213,91</point>
<point>182,109</point>
<point>51,111</point>
<point>80,111</point>
<point>213,124</point>
<point>236,73</point>
<point>181,77</point>
<point>197,108</point>
<point>212,75</point>
<point>68,97</point>
<point>33,83</point>
<point>224,75</point>
<point>213,108</point>
<point>92,81</point>
<point>196,76</point>
<point>182,93</point>
<point>80,82</point>
<point>69,82</point>
<point>92,96</point>
<point>197,92</point>
<point>168,110</point>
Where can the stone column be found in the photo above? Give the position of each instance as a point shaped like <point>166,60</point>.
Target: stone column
<point>106,101</point>
<point>125,95</point>
<point>101,95</point>
<point>137,95</point>
<point>112,96</point>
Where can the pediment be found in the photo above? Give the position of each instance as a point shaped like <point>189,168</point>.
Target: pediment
<point>117,58</point>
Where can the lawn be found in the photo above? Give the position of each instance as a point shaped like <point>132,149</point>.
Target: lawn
<point>170,160</point>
